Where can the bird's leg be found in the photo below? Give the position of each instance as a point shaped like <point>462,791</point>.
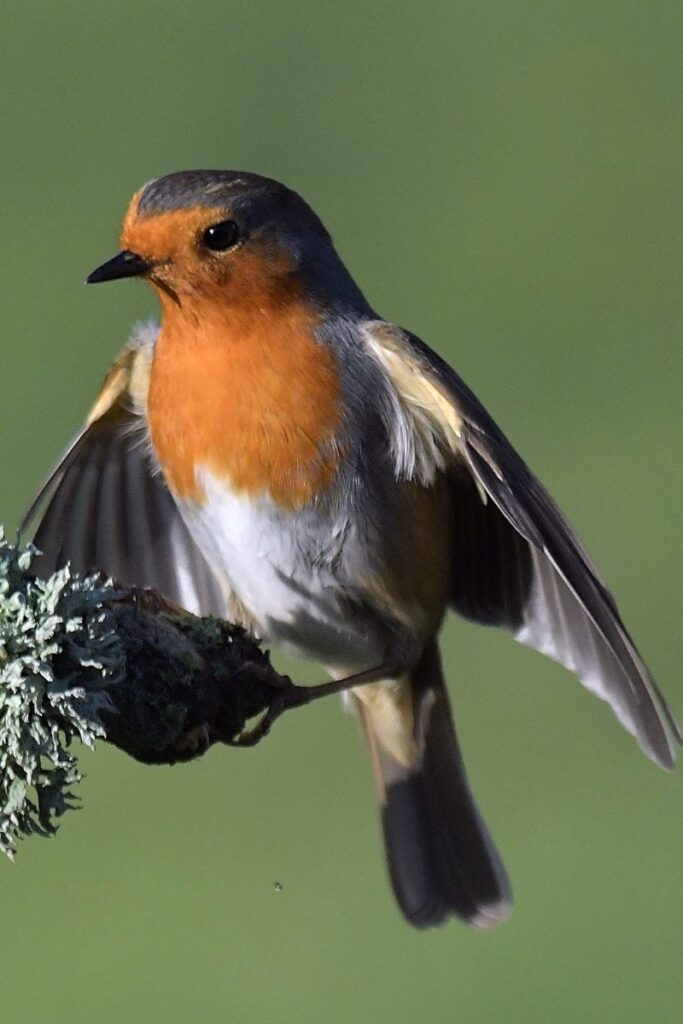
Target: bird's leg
<point>387,670</point>
<point>292,696</point>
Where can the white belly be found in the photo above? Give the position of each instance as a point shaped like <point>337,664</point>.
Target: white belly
<point>285,568</point>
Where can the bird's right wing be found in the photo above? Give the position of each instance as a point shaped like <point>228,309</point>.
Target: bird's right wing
<point>516,561</point>
<point>106,506</point>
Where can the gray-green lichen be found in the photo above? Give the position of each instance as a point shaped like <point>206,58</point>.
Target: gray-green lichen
<point>57,652</point>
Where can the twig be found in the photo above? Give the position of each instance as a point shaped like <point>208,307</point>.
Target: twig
<point>81,658</point>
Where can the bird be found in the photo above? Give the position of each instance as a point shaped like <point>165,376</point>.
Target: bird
<point>276,453</point>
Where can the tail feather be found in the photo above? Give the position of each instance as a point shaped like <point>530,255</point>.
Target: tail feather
<point>441,859</point>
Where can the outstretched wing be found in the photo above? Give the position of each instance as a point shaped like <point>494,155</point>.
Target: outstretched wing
<point>516,561</point>
<point>106,506</point>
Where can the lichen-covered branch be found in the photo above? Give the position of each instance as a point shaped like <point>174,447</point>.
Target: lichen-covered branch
<point>81,659</point>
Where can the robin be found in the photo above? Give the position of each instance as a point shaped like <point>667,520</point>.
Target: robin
<point>278,454</point>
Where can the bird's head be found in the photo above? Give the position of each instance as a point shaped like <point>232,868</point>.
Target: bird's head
<point>229,235</point>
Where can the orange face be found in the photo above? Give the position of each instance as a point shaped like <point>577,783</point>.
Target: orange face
<point>183,264</point>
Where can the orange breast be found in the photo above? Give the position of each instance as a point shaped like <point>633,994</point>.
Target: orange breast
<point>247,392</point>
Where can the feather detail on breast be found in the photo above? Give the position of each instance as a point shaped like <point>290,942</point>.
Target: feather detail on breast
<point>248,393</point>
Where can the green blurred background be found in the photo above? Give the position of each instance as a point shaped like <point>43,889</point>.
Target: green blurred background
<point>505,179</point>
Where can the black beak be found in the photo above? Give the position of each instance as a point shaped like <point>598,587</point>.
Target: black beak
<point>126,264</point>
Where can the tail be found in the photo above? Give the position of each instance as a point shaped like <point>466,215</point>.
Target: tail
<point>441,858</point>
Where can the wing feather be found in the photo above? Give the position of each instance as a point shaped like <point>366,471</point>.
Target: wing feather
<point>516,560</point>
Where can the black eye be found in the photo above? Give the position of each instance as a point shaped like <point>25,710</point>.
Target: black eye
<point>220,237</point>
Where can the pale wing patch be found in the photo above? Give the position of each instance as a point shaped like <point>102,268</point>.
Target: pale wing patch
<point>142,343</point>
<point>424,425</point>
<point>129,375</point>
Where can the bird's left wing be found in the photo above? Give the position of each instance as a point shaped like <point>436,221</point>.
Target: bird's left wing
<point>517,562</point>
<point>106,507</point>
